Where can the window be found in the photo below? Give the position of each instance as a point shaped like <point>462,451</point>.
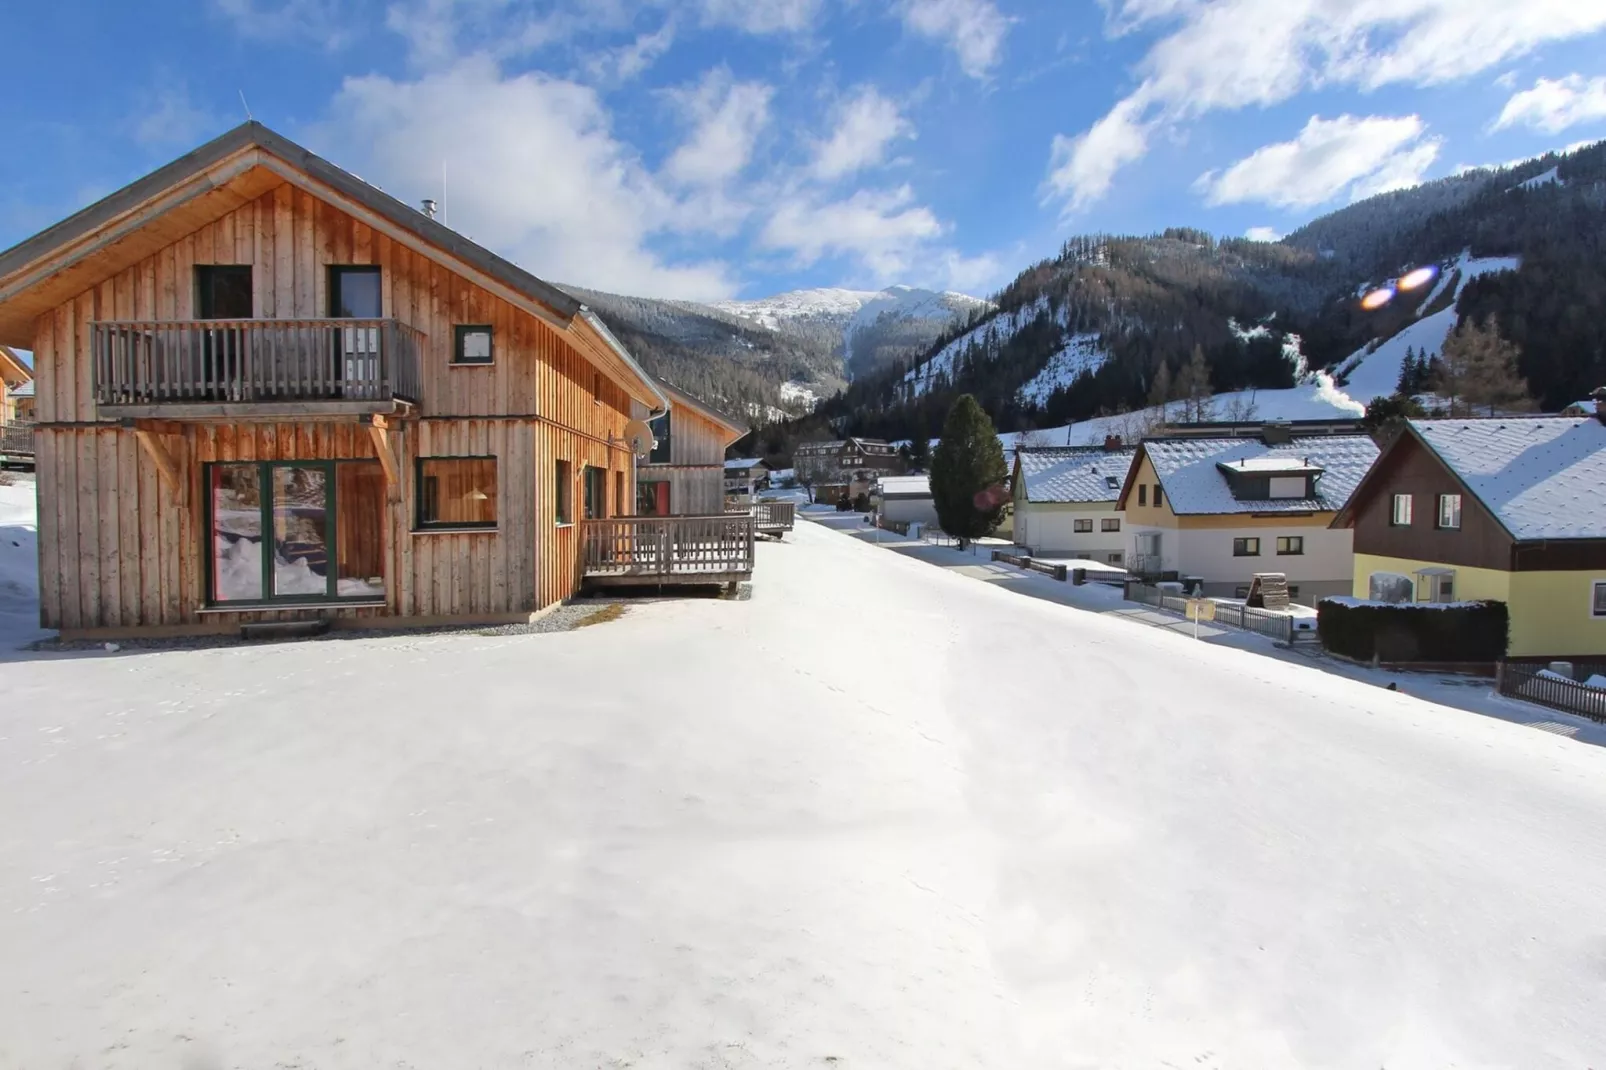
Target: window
<point>1116,558</point>
<point>1240,592</point>
<point>1293,590</point>
<point>562,493</point>
<point>1436,585</point>
<point>456,492</point>
<point>1598,600</point>
<point>1401,517</point>
<point>295,531</point>
<point>1246,547</point>
<point>619,494</point>
<point>1157,501</point>
<point>471,343</point>
<point>223,292</point>
<point>1290,544</point>
<point>596,388</point>
<point>660,440</point>
<point>1111,483</point>
<point>1110,523</point>
<point>1084,526</point>
<point>354,293</point>
<point>1450,512</point>
<point>594,489</point>
<point>1143,494</point>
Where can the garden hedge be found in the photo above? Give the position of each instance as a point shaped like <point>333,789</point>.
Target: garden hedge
<point>1429,632</point>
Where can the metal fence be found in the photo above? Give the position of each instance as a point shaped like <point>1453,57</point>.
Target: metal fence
<point>1533,684</point>
<point>1264,621</point>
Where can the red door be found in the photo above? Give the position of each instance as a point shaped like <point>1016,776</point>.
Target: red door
<point>660,503</point>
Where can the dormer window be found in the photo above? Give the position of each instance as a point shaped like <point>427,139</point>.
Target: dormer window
<point>1271,478</point>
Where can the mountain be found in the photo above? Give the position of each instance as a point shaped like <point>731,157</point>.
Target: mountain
<point>1115,324</point>
<point>773,358</point>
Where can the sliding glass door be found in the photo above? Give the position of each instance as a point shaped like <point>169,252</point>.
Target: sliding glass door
<point>296,531</point>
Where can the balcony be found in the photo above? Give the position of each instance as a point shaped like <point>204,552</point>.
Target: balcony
<point>668,550</point>
<point>216,369</point>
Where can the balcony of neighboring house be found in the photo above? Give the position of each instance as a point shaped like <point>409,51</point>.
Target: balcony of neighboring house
<point>280,368</point>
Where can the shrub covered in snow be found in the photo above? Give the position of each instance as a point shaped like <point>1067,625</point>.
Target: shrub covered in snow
<point>1453,632</point>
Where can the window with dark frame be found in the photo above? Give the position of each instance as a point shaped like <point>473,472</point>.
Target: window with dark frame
<point>1598,607</point>
<point>1246,547</point>
<point>594,492</point>
<point>1110,523</point>
<point>1400,517</point>
<point>472,344</point>
<point>1449,512</point>
<point>1290,544</point>
<point>1157,500</point>
<point>456,492</point>
<point>561,493</point>
<point>1084,526</point>
<point>1143,494</point>
<point>223,292</point>
<point>661,431</point>
<point>355,292</point>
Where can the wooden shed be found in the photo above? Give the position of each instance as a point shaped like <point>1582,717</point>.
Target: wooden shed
<point>268,391</point>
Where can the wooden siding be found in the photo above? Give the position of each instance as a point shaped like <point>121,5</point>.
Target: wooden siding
<point>692,491</point>
<point>119,549</point>
<point>1409,468</point>
<point>696,468</point>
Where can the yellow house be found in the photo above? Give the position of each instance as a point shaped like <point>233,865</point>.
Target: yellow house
<point>1224,509</point>
<point>1507,509</point>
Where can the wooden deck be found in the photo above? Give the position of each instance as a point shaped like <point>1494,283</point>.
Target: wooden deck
<point>774,518</point>
<point>226,368</point>
<point>663,550</point>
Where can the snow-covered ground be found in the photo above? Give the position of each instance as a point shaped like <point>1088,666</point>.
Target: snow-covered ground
<point>1082,352</point>
<point>921,823</point>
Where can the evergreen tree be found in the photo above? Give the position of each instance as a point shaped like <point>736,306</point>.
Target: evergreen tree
<point>920,451</point>
<point>1160,393</point>
<point>1407,381</point>
<point>968,473</point>
<point>1193,387</point>
<point>1478,369</point>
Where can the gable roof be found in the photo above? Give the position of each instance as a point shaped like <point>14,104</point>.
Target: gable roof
<point>230,170</point>
<point>734,430</point>
<point>1541,478</point>
<point>1073,473</point>
<point>1194,485</point>
<point>12,370</point>
<point>742,464</point>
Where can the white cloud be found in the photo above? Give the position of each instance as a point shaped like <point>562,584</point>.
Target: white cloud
<point>974,29</point>
<point>318,20</point>
<point>1362,156</point>
<point>1263,234</point>
<point>628,61</point>
<point>1234,54</point>
<point>761,16</point>
<point>533,171</point>
<point>727,118</point>
<point>885,230</point>
<point>166,116</point>
<point>1082,168</point>
<point>1553,105</point>
<point>865,125</point>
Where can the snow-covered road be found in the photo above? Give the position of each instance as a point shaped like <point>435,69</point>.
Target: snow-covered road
<point>877,816</point>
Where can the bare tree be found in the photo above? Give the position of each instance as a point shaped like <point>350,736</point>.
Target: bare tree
<point>1477,369</point>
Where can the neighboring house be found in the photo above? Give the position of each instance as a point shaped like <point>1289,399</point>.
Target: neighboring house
<point>1065,500</point>
<point>904,499</point>
<point>22,403</point>
<point>1506,509</point>
<point>684,475</point>
<point>853,462</point>
<point>1224,509</point>
<point>15,377</point>
<point>742,478</point>
<point>270,392</point>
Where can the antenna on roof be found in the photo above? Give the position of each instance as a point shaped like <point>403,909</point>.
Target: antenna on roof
<point>247,107</point>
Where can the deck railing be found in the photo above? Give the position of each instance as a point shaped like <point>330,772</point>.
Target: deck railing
<point>1532,683</point>
<point>144,363</point>
<point>16,438</point>
<point>680,548</point>
<point>774,517</point>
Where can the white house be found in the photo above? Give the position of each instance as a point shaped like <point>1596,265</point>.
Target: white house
<point>1065,500</point>
<point>905,499</point>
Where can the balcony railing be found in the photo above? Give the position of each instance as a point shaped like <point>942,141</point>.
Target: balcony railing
<point>16,439</point>
<point>669,549</point>
<point>167,368</point>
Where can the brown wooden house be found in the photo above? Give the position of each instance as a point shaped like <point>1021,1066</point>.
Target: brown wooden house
<point>684,475</point>
<point>268,391</point>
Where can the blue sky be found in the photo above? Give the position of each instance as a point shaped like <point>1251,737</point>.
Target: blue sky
<point>714,148</point>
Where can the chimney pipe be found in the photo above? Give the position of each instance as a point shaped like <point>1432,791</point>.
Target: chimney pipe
<point>428,207</point>
<point>1112,443</point>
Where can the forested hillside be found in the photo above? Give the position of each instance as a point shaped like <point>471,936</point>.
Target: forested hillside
<point>1113,323</point>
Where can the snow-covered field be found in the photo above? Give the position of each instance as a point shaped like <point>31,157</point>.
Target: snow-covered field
<point>896,818</point>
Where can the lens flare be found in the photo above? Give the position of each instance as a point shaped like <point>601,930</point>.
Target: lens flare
<point>1420,277</point>
<point>1377,298</point>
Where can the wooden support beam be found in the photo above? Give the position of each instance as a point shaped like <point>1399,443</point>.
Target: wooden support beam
<point>159,427</point>
<point>166,465</point>
<point>379,431</point>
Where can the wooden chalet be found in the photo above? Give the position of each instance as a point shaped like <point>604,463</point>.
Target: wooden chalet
<point>269,392</point>
<point>16,408</point>
<point>685,472</point>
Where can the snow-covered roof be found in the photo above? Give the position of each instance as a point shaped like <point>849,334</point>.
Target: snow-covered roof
<point>904,486</point>
<point>1074,473</point>
<point>1543,478</point>
<point>1269,465</point>
<point>741,464</point>
<point>1194,485</point>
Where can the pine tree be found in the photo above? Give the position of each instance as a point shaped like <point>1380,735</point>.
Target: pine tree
<point>1478,369</point>
<point>1407,382</point>
<point>1193,387</point>
<point>968,473</point>
<point>1160,393</point>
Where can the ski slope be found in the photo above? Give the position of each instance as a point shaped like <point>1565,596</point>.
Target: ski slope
<point>1082,352</point>
<point>444,851</point>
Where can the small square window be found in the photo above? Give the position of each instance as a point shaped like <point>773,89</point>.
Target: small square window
<point>1449,512</point>
<point>1110,523</point>
<point>1143,494</point>
<point>1084,526</point>
<point>1293,590</point>
<point>1116,558</point>
<point>1246,547</point>
<point>471,344</point>
<point>1599,602</point>
<point>562,493</point>
<point>1290,544</point>
<point>456,492</point>
<point>1401,516</point>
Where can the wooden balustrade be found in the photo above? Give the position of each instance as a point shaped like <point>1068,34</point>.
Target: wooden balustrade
<point>16,439</point>
<point>669,549</point>
<point>156,368</point>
